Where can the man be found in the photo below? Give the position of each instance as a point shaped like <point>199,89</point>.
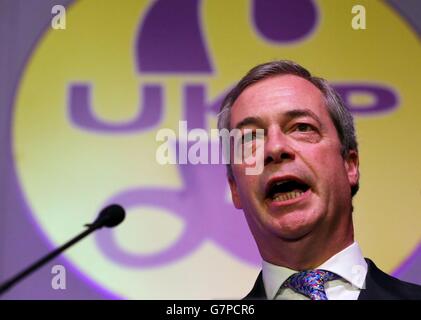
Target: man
<point>299,209</point>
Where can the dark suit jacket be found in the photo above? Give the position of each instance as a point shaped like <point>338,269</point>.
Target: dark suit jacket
<point>378,286</point>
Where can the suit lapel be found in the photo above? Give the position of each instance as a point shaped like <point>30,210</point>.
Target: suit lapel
<point>376,284</point>
<point>258,292</point>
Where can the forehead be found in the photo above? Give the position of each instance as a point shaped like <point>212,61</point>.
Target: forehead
<point>275,95</point>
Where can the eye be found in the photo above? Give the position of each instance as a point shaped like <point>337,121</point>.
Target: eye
<point>252,135</point>
<point>304,127</point>
<point>248,137</point>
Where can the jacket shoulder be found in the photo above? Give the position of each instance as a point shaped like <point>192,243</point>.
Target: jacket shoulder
<point>380,285</point>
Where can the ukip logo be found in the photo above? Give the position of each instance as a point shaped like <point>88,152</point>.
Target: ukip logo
<point>181,67</point>
<point>201,200</point>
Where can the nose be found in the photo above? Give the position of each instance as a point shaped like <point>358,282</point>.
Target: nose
<point>277,147</point>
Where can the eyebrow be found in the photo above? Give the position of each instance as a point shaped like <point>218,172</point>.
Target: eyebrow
<point>256,121</point>
<point>291,114</point>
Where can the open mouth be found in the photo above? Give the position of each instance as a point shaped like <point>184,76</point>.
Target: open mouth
<point>287,189</point>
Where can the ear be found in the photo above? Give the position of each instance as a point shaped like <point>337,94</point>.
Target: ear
<point>352,167</point>
<point>234,193</point>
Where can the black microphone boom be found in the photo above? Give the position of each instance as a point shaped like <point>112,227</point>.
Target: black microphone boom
<point>109,217</point>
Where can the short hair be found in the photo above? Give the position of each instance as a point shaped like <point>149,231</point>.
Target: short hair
<point>338,112</point>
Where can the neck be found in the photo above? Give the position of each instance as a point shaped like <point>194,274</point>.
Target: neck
<point>309,251</point>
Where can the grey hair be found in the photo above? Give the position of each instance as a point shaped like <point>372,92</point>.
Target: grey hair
<point>338,112</point>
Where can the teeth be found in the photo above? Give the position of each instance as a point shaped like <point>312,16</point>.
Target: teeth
<point>287,195</point>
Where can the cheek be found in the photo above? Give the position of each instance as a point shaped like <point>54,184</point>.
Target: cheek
<point>326,163</point>
<point>246,184</point>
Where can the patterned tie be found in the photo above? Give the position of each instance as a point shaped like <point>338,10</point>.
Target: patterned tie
<point>310,283</point>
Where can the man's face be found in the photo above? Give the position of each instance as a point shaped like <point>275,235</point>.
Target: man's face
<point>305,186</point>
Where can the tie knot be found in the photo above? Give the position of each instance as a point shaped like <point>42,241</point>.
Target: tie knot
<point>310,283</point>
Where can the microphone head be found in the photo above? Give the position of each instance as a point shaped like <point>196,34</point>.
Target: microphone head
<point>110,216</point>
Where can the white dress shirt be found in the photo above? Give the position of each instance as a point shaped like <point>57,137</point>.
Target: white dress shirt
<point>349,264</point>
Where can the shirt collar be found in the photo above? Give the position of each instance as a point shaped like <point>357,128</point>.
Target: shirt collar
<point>348,264</point>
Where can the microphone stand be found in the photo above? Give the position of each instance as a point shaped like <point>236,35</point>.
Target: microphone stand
<point>109,217</point>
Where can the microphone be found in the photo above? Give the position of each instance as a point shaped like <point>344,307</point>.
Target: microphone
<point>109,217</point>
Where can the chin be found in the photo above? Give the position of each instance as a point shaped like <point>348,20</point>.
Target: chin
<point>294,227</point>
